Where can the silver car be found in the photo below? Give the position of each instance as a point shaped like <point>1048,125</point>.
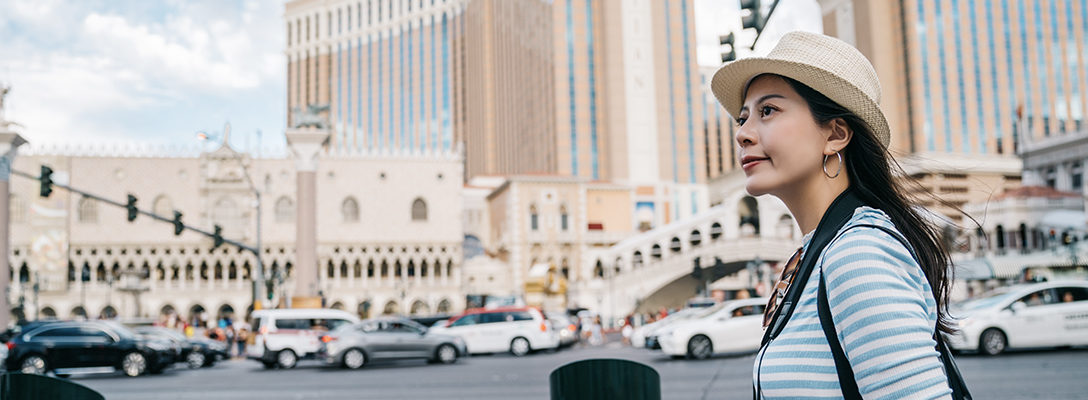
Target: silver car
<point>352,346</point>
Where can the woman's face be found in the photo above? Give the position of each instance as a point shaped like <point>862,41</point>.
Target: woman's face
<point>781,145</point>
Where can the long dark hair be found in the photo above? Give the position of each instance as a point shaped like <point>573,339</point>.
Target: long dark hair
<point>870,168</point>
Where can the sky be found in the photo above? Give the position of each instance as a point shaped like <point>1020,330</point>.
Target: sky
<point>97,73</point>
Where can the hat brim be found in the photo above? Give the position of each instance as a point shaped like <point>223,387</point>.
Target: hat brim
<point>731,80</point>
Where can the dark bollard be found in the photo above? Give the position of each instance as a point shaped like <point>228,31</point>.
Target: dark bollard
<point>605,378</point>
<point>17,386</point>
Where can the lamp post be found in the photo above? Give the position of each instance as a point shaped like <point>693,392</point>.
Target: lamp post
<point>258,278</point>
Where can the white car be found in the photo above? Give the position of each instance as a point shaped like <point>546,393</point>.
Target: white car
<point>645,336</point>
<point>284,336</point>
<point>731,327</point>
<point>518,330</point>
<point>1044,314</point>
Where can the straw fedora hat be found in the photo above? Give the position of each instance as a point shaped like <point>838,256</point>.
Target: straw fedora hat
<point>826,64</point>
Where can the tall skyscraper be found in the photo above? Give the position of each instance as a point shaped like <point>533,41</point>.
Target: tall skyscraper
<point>390,71</point>
<point>958,75</point>
<point>967,82</point>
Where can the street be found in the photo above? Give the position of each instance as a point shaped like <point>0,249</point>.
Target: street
<point>1043,374</point>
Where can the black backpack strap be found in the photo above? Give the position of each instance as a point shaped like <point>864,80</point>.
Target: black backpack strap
<point>837,215</point>
<point>847,381</point>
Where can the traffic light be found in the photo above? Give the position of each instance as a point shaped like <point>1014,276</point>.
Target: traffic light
<point>132,210</point>
<point>47,181</point>
<point>754,19</point>
<point>178,225</point>
<point>730,40</point>
<point>217,237</point>
<point>1067,239</point>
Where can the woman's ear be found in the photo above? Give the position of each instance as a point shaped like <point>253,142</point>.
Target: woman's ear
<point>839,135</point>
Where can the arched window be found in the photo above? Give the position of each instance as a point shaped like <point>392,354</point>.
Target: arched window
<point>564,223</point>
<point>88,210</point>
<point>285,210</point>
<point>349,210</point>
<point>17,209</point>
<point>225,211</point>
<point>534,218</point>
<point>162,206</point>
<point>748,211</point>
<point>419,210</point>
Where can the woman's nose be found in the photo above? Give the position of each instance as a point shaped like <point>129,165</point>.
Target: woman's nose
<point>745,136</point>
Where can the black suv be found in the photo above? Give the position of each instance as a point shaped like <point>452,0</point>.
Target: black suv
<point>196,352</point>
<point>72,346</point>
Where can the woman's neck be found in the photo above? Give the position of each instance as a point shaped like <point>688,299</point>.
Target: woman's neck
<point>809,203</point>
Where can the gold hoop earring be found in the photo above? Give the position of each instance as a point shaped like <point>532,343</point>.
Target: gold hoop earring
<point>838,171</point>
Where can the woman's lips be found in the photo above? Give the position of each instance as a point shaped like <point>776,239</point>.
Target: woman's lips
<point>749,161</point>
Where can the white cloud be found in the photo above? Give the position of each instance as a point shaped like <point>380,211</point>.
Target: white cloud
<point>141,72</point>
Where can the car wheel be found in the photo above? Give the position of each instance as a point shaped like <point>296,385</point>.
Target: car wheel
<point>699,347</point>
<point>33,364</point>
<point>354,359</point>
<point>519,346</point>
<point>286,359</point>
<point>992,342</point>
<point>446,354</point>
<point>195,360</point>
<point>134,364</point>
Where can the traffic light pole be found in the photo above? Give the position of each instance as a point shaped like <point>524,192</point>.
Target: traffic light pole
<point>219,240</point>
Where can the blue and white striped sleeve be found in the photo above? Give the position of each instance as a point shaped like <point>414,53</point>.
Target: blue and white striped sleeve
<point>885,315</point>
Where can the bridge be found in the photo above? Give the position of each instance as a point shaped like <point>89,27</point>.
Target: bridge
<point>657,268</point>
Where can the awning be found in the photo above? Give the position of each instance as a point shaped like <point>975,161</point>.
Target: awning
<point>1009,266</point>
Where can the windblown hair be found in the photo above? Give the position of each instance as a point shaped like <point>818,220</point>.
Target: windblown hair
<point>870,167</point>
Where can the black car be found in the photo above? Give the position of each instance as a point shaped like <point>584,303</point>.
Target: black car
<point>195,352</point>
<point>86,346</point>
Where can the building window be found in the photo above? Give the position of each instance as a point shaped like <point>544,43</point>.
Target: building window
<point>349,210</point>
<point>88,210</point>
<point>534,218</point>
<point>1051,177</point>
<point>563,218</point>
<point>419,210</point>
<point>1077,175</point>
<point>162,206</point>
<point>285,210</point>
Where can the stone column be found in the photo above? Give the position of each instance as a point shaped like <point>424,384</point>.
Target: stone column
<point>9,143</point>
<point>306,144</point>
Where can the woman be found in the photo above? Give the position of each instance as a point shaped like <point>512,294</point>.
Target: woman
<point>811,132</point>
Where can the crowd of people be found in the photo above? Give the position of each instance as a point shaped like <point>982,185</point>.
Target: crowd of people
<point>225,329</point>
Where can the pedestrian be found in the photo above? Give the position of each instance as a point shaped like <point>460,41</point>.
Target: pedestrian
<point>627,330</point>
<point>241,337</point>
<point>810,132</point>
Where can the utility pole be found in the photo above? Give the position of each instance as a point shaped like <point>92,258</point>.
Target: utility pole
<point>258,278</point>
<point>9,144</point>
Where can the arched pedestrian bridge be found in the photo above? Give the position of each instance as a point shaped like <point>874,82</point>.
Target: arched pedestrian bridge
<point>655,268</point>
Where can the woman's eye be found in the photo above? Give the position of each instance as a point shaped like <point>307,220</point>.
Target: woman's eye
<point>740,121</point>
<point>766,110</point>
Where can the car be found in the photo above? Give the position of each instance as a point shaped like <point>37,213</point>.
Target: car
<point>1047,314</point>
<point>386,338</point>
<point>86,346</point>
<point>195,352</point>
<point>730,327</point>
<point>565,327</point>
<point>519,330</point>
<point>285,336</point>
<point>645,337</point>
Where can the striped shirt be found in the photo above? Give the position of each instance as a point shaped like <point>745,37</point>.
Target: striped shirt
<point>884,313</point>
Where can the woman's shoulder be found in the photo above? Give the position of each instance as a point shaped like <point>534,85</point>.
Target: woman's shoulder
<point>869,243</point>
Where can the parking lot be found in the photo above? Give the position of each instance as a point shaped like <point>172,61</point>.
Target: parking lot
<point>1046,374</point>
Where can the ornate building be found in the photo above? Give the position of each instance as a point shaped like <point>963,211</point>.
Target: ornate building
<point>389,233</point>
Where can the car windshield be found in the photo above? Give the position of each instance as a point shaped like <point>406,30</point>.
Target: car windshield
<point>121,330</point>
<point>986,300</point>
<point>703,312</point>
<point>172,334</point>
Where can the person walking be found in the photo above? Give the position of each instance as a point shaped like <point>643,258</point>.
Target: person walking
<point>872,274</point>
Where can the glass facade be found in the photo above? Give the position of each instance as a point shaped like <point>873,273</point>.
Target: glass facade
<point>672,100</point>
<point>570,89</point>
<point>592,92</point>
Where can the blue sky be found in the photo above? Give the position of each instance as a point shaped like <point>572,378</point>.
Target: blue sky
<point>127,72</point>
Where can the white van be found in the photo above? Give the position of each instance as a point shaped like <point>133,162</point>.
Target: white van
<point>284,336</point>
